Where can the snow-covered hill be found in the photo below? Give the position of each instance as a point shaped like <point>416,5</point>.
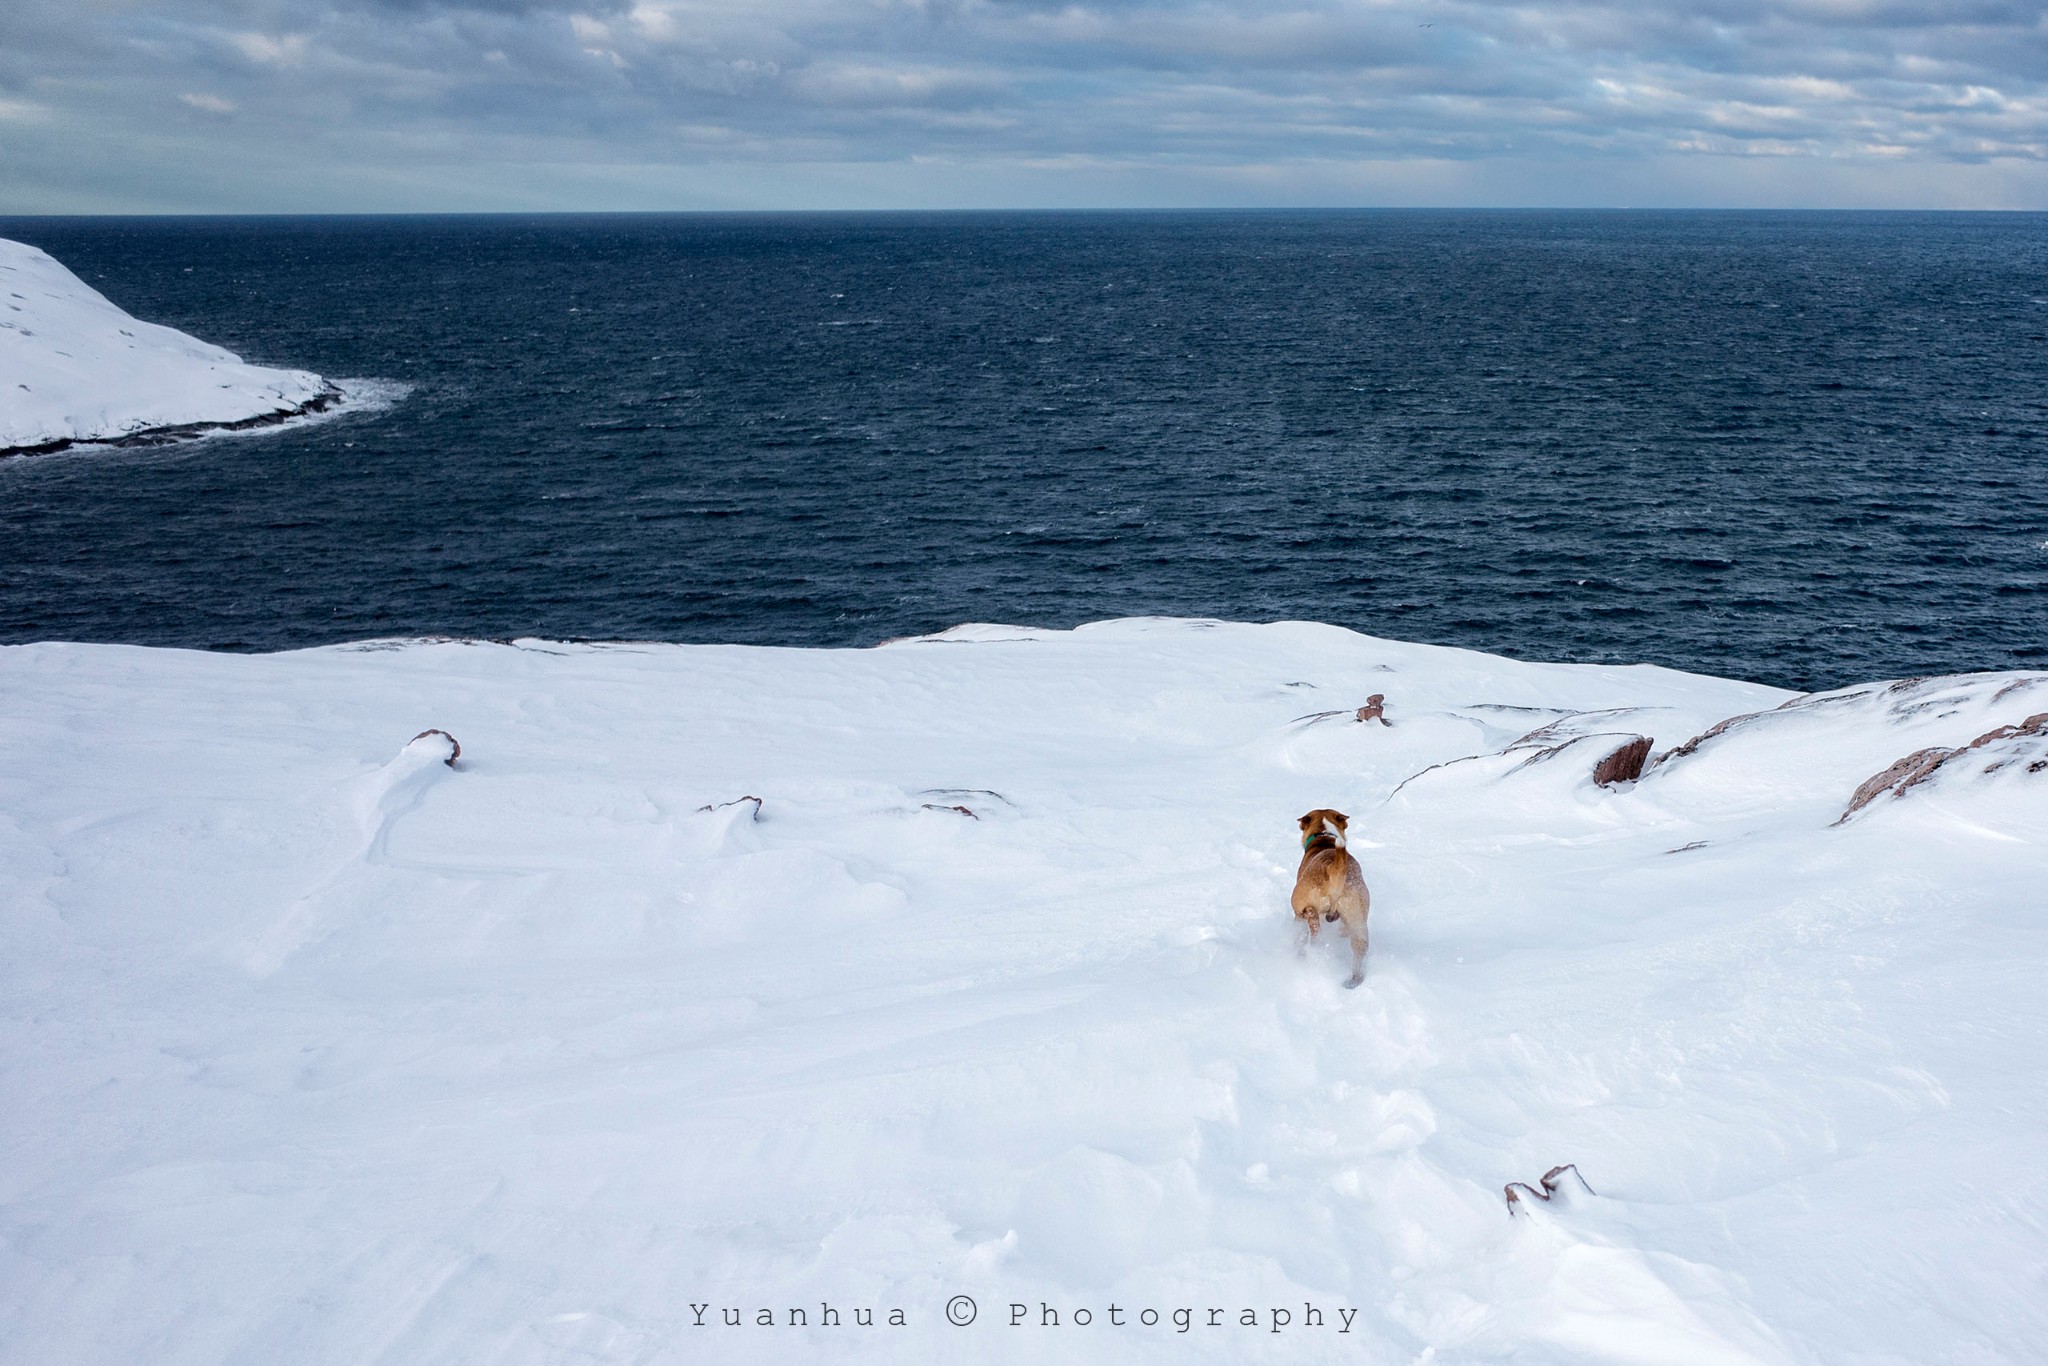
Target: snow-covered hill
<point>318,1049</point>
<point>73,367</point>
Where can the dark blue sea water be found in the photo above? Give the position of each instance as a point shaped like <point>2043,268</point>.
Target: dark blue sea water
<point>1802,448</point>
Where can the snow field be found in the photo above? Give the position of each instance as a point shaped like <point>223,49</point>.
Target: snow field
<point>74,367</point>
<point>320,1050</point>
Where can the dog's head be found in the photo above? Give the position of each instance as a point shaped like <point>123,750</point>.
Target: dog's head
<point>1323,822</point>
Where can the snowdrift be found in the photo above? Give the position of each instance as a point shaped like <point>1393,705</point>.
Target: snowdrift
<point>937,1003</point>
<point>73,367</point>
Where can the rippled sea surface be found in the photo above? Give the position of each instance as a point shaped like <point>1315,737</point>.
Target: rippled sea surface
<point>1801,448</point>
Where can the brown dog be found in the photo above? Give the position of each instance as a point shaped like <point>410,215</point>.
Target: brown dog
<point>1331,886</point>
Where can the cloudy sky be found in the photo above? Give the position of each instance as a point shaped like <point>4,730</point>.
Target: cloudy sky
<point>291,105</point>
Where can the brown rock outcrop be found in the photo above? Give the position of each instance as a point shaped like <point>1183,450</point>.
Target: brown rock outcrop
<point>1922,764</point>
<point>454,745</point>
<point>1623,764</point>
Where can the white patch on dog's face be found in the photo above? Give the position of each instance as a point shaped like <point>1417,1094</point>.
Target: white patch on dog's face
<point>1331,829</point>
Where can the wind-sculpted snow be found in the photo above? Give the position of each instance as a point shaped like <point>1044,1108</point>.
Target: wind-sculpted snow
<point>721,980</point>
<point>74,367</point>
<point>2020,746</point>
<point>1819,750</point>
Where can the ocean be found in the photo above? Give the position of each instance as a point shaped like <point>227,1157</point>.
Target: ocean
<point>1800,448</point>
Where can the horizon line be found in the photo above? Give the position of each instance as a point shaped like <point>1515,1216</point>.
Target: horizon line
<point>1071,211</point>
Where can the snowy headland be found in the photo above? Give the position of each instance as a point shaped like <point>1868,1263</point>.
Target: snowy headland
<point>73,368</point>
<point>938,1002</point>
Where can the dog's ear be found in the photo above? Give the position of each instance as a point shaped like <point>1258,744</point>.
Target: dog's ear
<point>1305,820</point>
<point>1342,820</point>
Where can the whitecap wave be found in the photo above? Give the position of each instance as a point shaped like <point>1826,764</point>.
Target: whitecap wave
<point>373,395</point>
<point>360,397</point>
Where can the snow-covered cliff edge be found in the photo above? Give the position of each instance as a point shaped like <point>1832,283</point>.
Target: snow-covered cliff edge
<point>73,367</point>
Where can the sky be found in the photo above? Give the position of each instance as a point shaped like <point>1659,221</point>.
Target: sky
<point>459,105</point>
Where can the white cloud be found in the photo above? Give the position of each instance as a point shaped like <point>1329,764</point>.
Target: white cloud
<point>22,111</point>
<point>261,48</point>
<point>1251,90</point>
<point>879,84</point>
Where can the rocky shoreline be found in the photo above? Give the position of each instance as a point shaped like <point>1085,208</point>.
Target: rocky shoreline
<point>327,398</point>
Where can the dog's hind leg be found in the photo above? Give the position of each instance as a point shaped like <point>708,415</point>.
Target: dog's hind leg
<point>1357,963</point>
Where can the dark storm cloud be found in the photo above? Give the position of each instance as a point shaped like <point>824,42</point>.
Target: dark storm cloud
<point>398,88</point>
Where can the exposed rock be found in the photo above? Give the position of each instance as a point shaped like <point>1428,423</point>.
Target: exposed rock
<point>1550,1181</point>
<point>1624,764</point>
<point>755,814</point>
<point>964,795</point>
<point>454,745</point>
<point>1718,728</point>
<point>1552,732</point>
<point>185,431</point>
<point>1371,711</point>
<point>1902,699</point>
<point>1901,775</point>
<point>1922,764</point>
<point>1621,755</point>
<point>2017,685</point>
<point>2037,724</point>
